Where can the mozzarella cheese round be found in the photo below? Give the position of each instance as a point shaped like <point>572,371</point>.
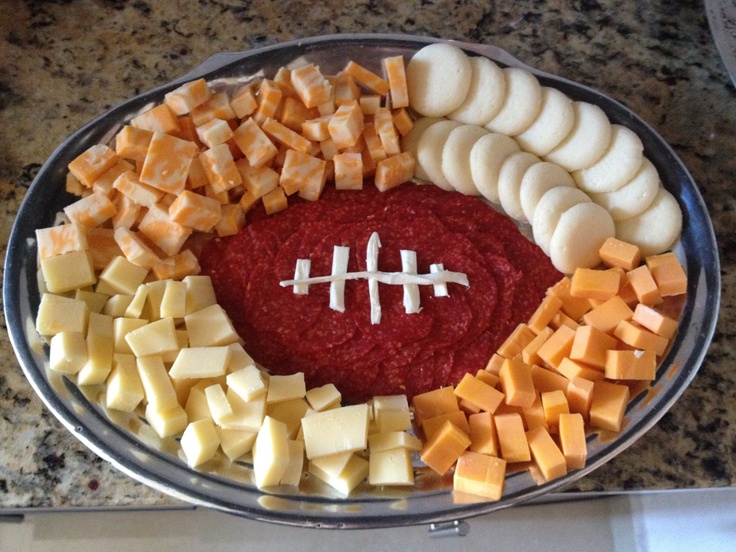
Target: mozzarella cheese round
<point>486,93</point>
<point>554,122</point>
<point>410,142</point>
<point>634,196</point>
<point>539,178</point>
<point>586,142</point>
<point>429,152</point>
<point>438,77</point>
<point>509,180</point>
<point>521,105</point>
<point>486,158</point>
<point>552,204</point>
<point>657,228</point>
<point>579,235</point>
<point>456,157</point>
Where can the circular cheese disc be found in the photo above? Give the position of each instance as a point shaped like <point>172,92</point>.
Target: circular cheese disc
<point>486,93</point>
<point>539,178</point>
<point>509,180</point>
<point>656,229</point>
<point>410,142</point>
<point>586,142</point>
<point>438,78</point>
<point>579,235</point>
<point>633,197</point>
<point>429,152</point>
<point>620,162</point>
<point>552,204</point>
<point>456,157</point>
<point>521,105</point>
<point>486,158</point>
<point>554,122</point>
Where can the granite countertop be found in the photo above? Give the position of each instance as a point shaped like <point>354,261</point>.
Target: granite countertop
<point>65,62</point>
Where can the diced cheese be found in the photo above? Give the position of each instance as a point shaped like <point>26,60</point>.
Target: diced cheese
<point>134,249</point>
<point>290,412</point>
<point>117,305</point>
<point>61,239</point>
<point>124,389</point>
<point>323,398</point>
<point>644,286</point>
<point>546,454</point>
<point>348,171</point>
<point>483,437</point>
<point>655,321</point>
<point>367,78</point>
<point>517,383</point>
<point>247,415</point>
<point>480,474</point>
<point>214,132</point>
<point>243,102</point>
<point>353,473</point>
<point>92,164</point>
<point>195,211</point>
<point>390,467</point>
<point>548,379</point>
<point>128,211</point>
<point>572,440</point>
<point>432,426</point>
<point>554,403</point>
<point>157,119</point>
<point>102,246</point>
<point>67,272</point>
<point>100,349</point>
<point>445,447</point>
<point>67,352</point>
<point>378,442</point>
<point>396,75</point>
<point>301,170</point>
<point>631,365</point>
<point>209,327</point>
<point>132,143</point>
<point>574,307</point>
<point>201,362</point>
<point>640,338</point>
<point>384,123</point>
<point>91,210</point>
<point>514,344</point>
<point>174,300</point>
<point>199,442</point>
<point>512,440</point>
<point>218,403</point>
<point>217,107</point>
<point>284,388</point>
<point>188,96</point>
<point>254,143</point>
<point>177,266</point>
<point>599,285</point>
<point>294,470</point>
<point>123,276</point>
<point>433,403</point>
<point>557,347</point>
<point>200,293</point>
<point>341,429</point>
<point>158,227</point>
<point>219,166</point>
<point>530,352</point>
<point>270,453</point>
<point>394,170</point>
<point>668,273</point>
<point>130,185</point>
<point>608,405</point>
<point>474,390</point>
<point>268,100</point>
<point>607,315</point>
<point>95,301</point>
<point>157,386</point>
<point>156,338</point>
<point>168,422</point>
<point>61,314</point>
<point>580,395</point>
<point>572,369</point>
<point>615,252</point>
<point>402,120</point>
<point>590,345</point>
<point>235,443</point>
<point>311,85</point>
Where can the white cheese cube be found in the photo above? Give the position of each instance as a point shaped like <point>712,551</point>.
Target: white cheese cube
<point>379,442</point>
<point>355,472</point>
<point>117,305</point>
<point>61,314</point>
<point>121,328</point>
<point>336,430</point>
<point>157,386</point>
<point>174,300</point>
<point>156,338</point>
<point>200,293</point>
<point>332,465</point>
<point>94,301</point>
<point>270,453</point>
<point>295,467</point>
<point>201,362</point>
<point>209,327</point>
<point>247,415</point>
<point>67,352</point>
<point>324,397</point>
<point>135,308</point>
<point>236,442</point>
<point>199,442</point>
<point>182,340</point>
<point>390,467</point>
<point>123,276</point>
<point>69,271</point>
<point>217,402</point>
<point>100,348</point>
<point>239,358</point>
<point>290,412</point>
<point>285,388</point>
<point>124,389</point>
<point>167,422</point>
<point>247,383</point>
<point>196,405</point>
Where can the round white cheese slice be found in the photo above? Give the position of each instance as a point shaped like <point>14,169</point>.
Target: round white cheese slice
<point>521,105</point>
<point>486,93</point>
<point>579,235</point>
<point>586,142</point>
<point>486,158</point>
<point>634,196</point>
<point>657,228</point>
<point>429,152</point>
<point>438,78</point>
<point>410,142</point>
<point>539,178</point>
<point>554,122</point>
<point>621,161</point>
<point>456,157</point>
<point>509,180</point>
<point>552,204</point>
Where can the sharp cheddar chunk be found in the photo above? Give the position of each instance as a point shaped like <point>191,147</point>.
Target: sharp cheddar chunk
<point>511,437</point>
<point>396,74</point>
<point>91,210</point>
<point>243,102</point>
<point>311,85</point>
<point>517,383</point>
<point>477,392</point>
<point>608,405</point>
<point>590,283</point>
<point>346,125</point>
<point>177,266</point>
<point>445,447</point>
<point>433,403</point>
<point>631,365</point>
<point>301,170</point>
<point>668,273</point>
<point>134,249</point>
<point>188,96</point>
<point>130,185</point>
<point>483,436</point>
<point>572,440</point>
<point>367,78</point>
<point>195,211</point>
<point>286,136</point>
<point>214,132</point>
<point>158,227</point>
<point>640,338</point>
<point>546,454</point>
<point>514,344</point>
<point>394,170</point>
<point>92,164</point>
<point>572,369</point>
<point>608,314</point>
<point>644,286</point>
<point>157,119</point>
<point>167,163</point>
<point>554,403</point>
<point>254,143</point>
<point>219,166</point>
<point>432,425</point>
<point>579,396</point>
<point>480,474</point>
<point>268,101</point>
<point>61,239</point>
<point>217,107</point>
<point>545,379</point>
<point>574,307</point>
<point>655,321</point>
<point>590,345</point>
<point>615,252</point>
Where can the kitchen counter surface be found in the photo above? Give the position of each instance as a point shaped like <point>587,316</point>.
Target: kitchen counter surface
<point>62,63</point>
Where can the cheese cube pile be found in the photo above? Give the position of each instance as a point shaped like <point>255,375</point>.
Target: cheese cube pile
<point>571,369</point>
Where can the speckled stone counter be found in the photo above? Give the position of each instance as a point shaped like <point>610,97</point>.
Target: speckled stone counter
<point>62,63</point>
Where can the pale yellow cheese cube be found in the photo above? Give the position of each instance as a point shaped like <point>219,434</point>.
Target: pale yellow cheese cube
<point>331,466</point>
<point>200,362</point>
<point>284,388</point>
<point>70,271</point>
<point>160,392</point>
<point>124,390</point>
<point>121,328</point>
<point>239,358</point>
<point>270,453</point>
<point>67,352</point>
<point>390,467</point>
<point>246,415</point>
<point>100,348</point>
<point>196,405</point>
<point>156,338</point>
<point>199,442</point>
<point>236,442</point>
<point>95,301</point>
<point>154,297</point>
<point>294,469</point>
<point>116,305</point>
<point>217,403</point>
<point>354,473</point>
<point>174,300</point>
<point>168,422</point>
<point>290,412</point>
<point>247,383</point>
<point>200,293</point>
<point>136,306</point>
<point>336,430</point>
<point>61,314</point>
<point>123,276</point>
<point>209,327</point>
<point>324,397</point>
<point>379,442</point>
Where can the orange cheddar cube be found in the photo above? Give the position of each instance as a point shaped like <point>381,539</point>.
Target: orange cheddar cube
<point>294,113</point>
<point>544,313</point>
<point>483,438</point>
<point>432,425</point>
<point>394,171</point>
<point>572,369</point>
<point>494,364</point>
<point>129,185</point>
<point>217,107</point>
<point>286,136</point>
<point>346,125</point>
<point>243,102</point>
<point>300,170</point>
<point>574,307</point>
<point>214,132</point>
<point>219,166</point>
<point>468,407</point>
<point>348,171</point>
<point>607,315</point>
<point>254,143</point>
<point>368,78</point>
<point>128,212</point>
<point>258,180</point>
<point>61,239</point>
<point>655,321</point>
<point>396,75</point>
<point>579,396</point>
<point>74,186</point>
<point>557,347</point>
<point>477,392</point>
<point>480,474</point>
<point>572,440</point>
<point>384,123</point>
<point>488,378</point>
<point>91,210</point>
<point>167,163</point>
<point>345,89</point>
<point>132,143</point>
<point>402,121</point>
<point>157,119</point>
<point>615,252</point>
<point>369,103</point>
<point>247,201</point>
<point>105,182</point>
<point>534,415</point>
<point>316,129</point>
<point>546,454</point>
<point>195,211</point>
<point>529,353</point>
<point>311,85</point>
<point>514,344</point>
<point>134,249</point>
<point>177,267</point>
<point>196,178</point>
<point>373,142</point>
<point>644,286</point>
<point>433,403</point>
<point>546,379</point>
<point>188,96</point>
<point>517,383</point>
<point>313,190</point>
<point>554,403</point>
<point>274,201</point>
<point>93,163</point>
<point>188,130</point>
<point>441,451</point>
<point>608,405</point>
<point>598,285</point>
<point>668,273</point>
<point>561,319</point>
<point>631,365</point>
<point>166,234</point>
<point>512,439</point>
<point>590,346</point>
<point>640,338</point>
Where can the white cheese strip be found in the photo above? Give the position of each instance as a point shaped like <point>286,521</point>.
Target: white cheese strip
<point>440,288</point>
<point>303,266</point>
<point>391,278</point>
<point>340,258</point>
<point>374,243</point>
<point>411,291</point>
